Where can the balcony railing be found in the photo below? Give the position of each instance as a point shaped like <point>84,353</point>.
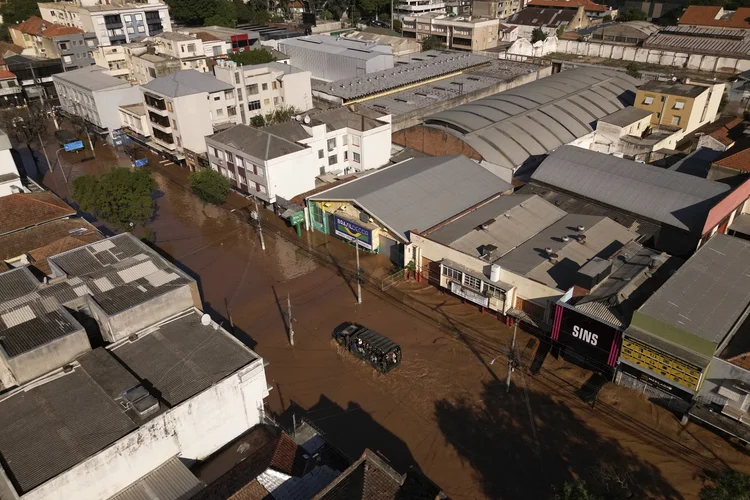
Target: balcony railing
<point>155,102</point>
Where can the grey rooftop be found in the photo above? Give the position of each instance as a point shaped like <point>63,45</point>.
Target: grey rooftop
<point>186,82</point>
<point>626,116</point>
<point>257,143</point>
<point>91,78</point>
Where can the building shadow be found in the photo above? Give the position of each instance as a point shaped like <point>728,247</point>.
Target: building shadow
<point>525,444</point>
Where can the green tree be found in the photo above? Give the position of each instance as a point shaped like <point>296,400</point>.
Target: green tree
<point>631,15</point>
<point>224,14</point>
<point>258,121</point>
<point>122,196</point>
<point>397,25</point>
<point>242,12</point>
<point>15,11</point>
<point>538,35</point>
<point>432,43</point>
<point>575,490</point>
<point>25,126</point>
<point>210,186</point>
<point>633,70</point>
<point>559,32</point>
<point>250,57</point>
<point>280,115</point>
<point>726,485</point>
<point>192,12</point>
<point>369,8</point>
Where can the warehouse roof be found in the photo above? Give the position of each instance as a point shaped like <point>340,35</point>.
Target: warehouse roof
<point>505,222</point>
<point>604,238</point>
<point>707,296</point>
<point>530,120</point>
<point>172,480</point>
<point>542,17</point>
<point>701,40</point>
<point>186,82</point>
<point>258,143</point>
<point>343,47</point>
<point>420,193</point>
<point>626,116</point>
<point>423,66</point>
<point>91,78</point>
<point>672,198</point>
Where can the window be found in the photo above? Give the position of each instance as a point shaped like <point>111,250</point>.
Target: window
<point>217,97</point>
<point>236,77</point>
<point>219,112</point>
<point>320,154</point>
<point>355,156</point>
<point>259,171</point>
<point>273,85</point>
<point>675,120</point>
<point>494,291</point>
<point>344,140</point>
<point>679,105</point>
<point>331,144</point>
<point>265,86</point>
<point>232,111</point>
<point>281,84</point>
<point>63,46</point>
<point>333,159</point>
<point>252,89</point>
<point>648,100</point>
<point>472,282</point>
<point>452,273</point>
<point>174,124</point>
<point>253,105</point>
<point>266,101</point>
<point>228,94</point>
<point>355,140</point>
<point>67,59</point>
<point>141,29</point>
<point>275,101</point>
<point>139,17</point>
<point>90,43</point>
<point>230,156</point>
<point>131,30</point>
<point>127,18</point>
<point>191,47</point>
<point>346,155</point>
<point>239,95</point>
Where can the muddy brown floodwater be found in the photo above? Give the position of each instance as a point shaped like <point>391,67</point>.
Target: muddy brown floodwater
<point>445,409</point>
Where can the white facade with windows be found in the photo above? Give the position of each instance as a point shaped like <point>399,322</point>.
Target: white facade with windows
<point>264,88</point>
<point>114,59</point>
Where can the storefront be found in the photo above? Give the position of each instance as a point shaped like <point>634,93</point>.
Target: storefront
<point>589,340</point>
<point>476,288</point>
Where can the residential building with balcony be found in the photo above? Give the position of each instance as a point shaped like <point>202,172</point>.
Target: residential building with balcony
<point>284,160</point>
<point>186,106</point>
<point>114,59</point>
<point>458,33</point>
<point>41,38</point>
<point>95,96</point>
<point>418,7</point>
<point>113,23</point>
<point>164,54</point>
<point>11,94</point>
<point>135,118</point>
<point>264,88</point>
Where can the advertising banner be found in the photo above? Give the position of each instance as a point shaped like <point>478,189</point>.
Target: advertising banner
<point>351,230</point>
<point>655,382</point>
<point>587,336</point>
<point>470,295</point>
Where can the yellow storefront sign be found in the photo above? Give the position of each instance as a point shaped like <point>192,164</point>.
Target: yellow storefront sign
<point>666,365</point>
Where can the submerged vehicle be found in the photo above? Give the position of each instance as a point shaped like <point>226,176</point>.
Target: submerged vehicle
<point>381,352</point>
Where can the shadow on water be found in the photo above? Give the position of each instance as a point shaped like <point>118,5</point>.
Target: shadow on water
<point>513,459</point>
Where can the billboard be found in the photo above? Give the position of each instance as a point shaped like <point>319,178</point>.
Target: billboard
<point>589,337</point>
<point>351,230</point>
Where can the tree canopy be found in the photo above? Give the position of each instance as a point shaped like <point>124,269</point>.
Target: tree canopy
<point>120,197</point>
<point>631,15</point>
<point>432,43</point>
<point>727,485</point>
<point>210,186</point>
<point>249,57</point>
<point>538,35</point>
<point>575,490</point>
<point>224,14</point>
<point>24,126</point>
<point>15,11</point>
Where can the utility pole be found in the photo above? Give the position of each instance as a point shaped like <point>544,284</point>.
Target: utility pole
<point>44,150</point>
<point>289,318</point>
<point>359,271</point>
<point>260,227</point>
<point>512,357</point>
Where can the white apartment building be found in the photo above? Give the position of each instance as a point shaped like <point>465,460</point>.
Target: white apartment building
<point>186,106</point>
<point>95,96</point>
<point>284,160</point>
<point>262,88</point>
<point>188,49</point>
<point>10,180</point>
<point>114,22</point>
<point>417,7</point>
<point>114,59</point>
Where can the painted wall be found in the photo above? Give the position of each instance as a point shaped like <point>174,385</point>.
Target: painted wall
<point>108,104</point>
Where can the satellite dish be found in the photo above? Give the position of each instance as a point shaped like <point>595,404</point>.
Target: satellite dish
<point>205,320</point>
<point>298,118</point>
<point>307,119</point>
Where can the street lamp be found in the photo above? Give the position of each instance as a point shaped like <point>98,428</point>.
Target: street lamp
<point>59,162</point>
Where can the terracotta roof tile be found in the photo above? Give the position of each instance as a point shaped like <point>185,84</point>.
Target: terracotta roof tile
<point>23,210</point>
<point>32,26</point>
<point>60,30</point>
<point>252,491</point>
<point>369,478</point>
<point>725,134</point>
<point>587,4</point>
<point>705,15</point>
<point>737,157</point>
<point>4,75</point>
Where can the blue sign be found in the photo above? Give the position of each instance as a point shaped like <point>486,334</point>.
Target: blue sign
<point>74,146</point>
<point>350,230</point>
<point>141,162</point>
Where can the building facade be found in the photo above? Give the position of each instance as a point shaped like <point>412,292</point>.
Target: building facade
<point>11,94</point>
<point>95,97</point>
<point>74,47</point>
<point>687,105</point>
<point>113,24</point>
<point>458,33</point>
<point>418,7</point>
<point>114,59</point>
<point>264,88</point>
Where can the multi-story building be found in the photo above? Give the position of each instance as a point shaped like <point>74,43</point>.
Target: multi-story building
<point>113,23</point>
<point>549,20</point>
<point>283,160</point>
<point>687,105</point>
<point>186,106</point>
<point>496,8</point>
<point>72,45</point>
<point>263,88</point>
<point>35,75</point>
<point>113,58</point>
<point>11,94</point>
<point>95,96</point>
<point>418,7</point>
<point>185,48</point>
<point>464,33</point>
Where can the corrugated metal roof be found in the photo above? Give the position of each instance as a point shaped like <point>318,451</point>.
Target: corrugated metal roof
<point>170,481</point>
<point>672,198</point>
<point>186,82</point>
<point>509,127</point>
<point>709,293</point>
<point>704,40</point>
<point>420,193</point>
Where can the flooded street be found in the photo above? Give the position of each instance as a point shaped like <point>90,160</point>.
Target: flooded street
<point>445,409</point>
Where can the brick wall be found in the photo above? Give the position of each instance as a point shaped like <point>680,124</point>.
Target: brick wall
<point>434,142</point>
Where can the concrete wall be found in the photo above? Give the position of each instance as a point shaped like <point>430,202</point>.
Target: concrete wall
<point>329,67</point>
<point>434,142</point>
<point>108,104</point>
<point>124,324</point>
<point>375,147</point>
<point>718,371</point>
<point>49,357</point>
<point>191,430</point>
<point>293,174</point>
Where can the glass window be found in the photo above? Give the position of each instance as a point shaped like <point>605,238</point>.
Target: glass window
<point>259,171</point>
<point>252,89</point>
<point>266,101</point>
<point>239,95</point>
<point>320,154</point>
<point>228,94</point>
<point>274,85</point>
<point>675,120</point>
<point>494,291</point>
<point>219,112</point>
<point>139,17</point>
<point>275,101</point>
<point>355,140</point>
<point>253,105</point>
<point>648,100</point>
<point>344,139</point>
<point>452,273</point>
<point>331,144</point>
<point>333,159</point>
<point>141,29</point>
<point>237,77</point>
<point>679,105</point>
<point>191,47</point>
<point>217,97</point>
<point>63,46</point>
<point>131,30</point>
<point>265,86</point>
<point>127,18</point>
<point>230,156</point>
<point>472,282</point>
<point>346,155</point>
<point>355,156</point>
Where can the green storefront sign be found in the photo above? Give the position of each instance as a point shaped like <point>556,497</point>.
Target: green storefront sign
<point>297,218</point>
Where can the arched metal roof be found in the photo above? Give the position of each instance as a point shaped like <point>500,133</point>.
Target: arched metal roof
<point>533,119</point>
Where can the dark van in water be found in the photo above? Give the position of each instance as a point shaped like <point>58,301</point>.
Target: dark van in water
<point>381,352</point>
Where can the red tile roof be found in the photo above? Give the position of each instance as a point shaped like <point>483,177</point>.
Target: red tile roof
<point>706,15</point>
<point>22,210</point>
<point>59,30</point>
<point>5,74</point>
<point>561,4</point>
<point>38,26</point>
<point>727,132</point>
<point>737,157</point>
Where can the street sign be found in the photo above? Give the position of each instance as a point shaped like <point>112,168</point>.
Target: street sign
<point>297,218</point>
<point>73,146</point>
<point>141,162</point>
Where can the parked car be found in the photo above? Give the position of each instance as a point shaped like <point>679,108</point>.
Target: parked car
<point>382,353</point>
